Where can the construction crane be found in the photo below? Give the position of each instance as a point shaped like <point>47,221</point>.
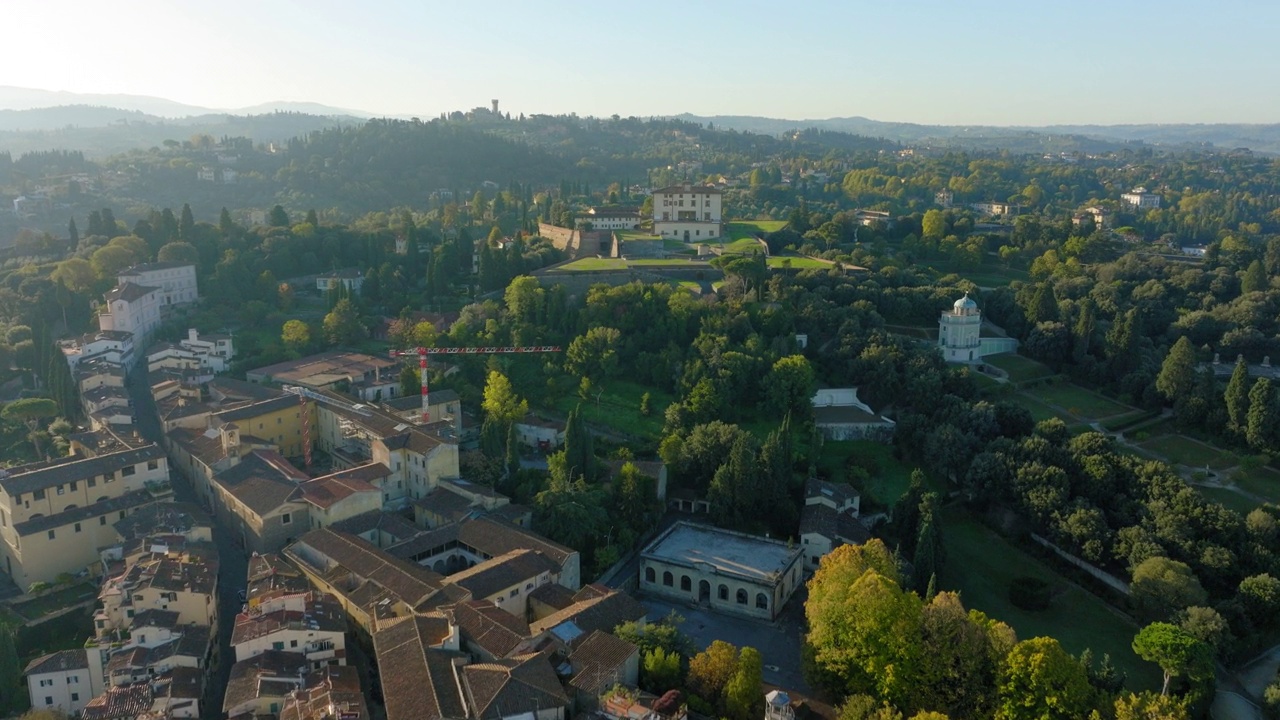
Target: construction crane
<point>423,352</point>
<point>305,394</point>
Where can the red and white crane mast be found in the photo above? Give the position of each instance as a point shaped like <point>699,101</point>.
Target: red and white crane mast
<point>423,352</point>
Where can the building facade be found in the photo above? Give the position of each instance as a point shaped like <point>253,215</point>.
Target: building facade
<point>61,681</point>
<point>132,308</point>
<point>1140,199</point>
<point>689,213</point>
<point>176,281</point>
<point>958,331</point>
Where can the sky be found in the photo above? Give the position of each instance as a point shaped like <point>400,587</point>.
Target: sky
<point>922,61</point>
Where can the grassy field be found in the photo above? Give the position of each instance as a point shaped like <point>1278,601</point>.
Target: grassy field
<point>981,564</point>
<point>885,486</point>
<point>667,262</point>
<point>1229,498</point>
<point>619,409</point>
<point>982,276</point>
<point>740,237</point>
<point>1263,482</point>
<point>589,264</point>
<point>1185,451</point>
<point>1020,369</point>
<point>638,236</point>
<point>1039,411</point>
<point>1082,403</point>
<point>798,262</point>
<point>923,333</point>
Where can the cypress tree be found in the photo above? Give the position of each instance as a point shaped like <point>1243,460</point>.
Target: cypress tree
<point>73,233</point>
<point>1255,278</point>
<point>10,669</point>
<point>1262,419</point>
<point>187,225</point>
<point>1082,334</point>
<point>513,451</point>
<point>1177,374</point>
<point>1237,396</point>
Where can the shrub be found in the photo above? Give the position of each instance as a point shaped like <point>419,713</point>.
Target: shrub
<point>1029,593</point>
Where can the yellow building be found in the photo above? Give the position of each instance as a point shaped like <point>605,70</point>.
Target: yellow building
<point>279,420</point>
<point>55,515</point>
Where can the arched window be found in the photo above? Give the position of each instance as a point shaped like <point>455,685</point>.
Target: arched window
<point>762,601</point>
<point>742,597</point>
<point>685,583</point>
<point>724,592</point>
<point>667,578</point>
<point>650,575</point>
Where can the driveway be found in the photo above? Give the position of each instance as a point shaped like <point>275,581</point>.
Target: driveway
<point>778,641</point>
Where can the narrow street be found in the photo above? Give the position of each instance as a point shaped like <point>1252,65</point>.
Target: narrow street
<point>232,567</point>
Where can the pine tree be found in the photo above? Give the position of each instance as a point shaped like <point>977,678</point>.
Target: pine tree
<point>95,223</point>
<point>1044,305</point>
<point>187,225</point>
<point>1237,396</point>
<point>226,226</point>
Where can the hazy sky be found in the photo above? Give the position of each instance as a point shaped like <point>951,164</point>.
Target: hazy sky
<point>927,61</point>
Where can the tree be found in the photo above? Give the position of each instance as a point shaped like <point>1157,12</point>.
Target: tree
<point>1162,586</point>
<point>1044,306</point>
<point>109,260</point>
<point>1177,374</point>
<point>278,217</point>
<point>501,404</point>
<point>10,670</point>
<point>1260,596</point>
<point>928,558</point>
<point>76,273</point>
<point>711,670</point>
<point>1237,396</point>
<point>296,335</point>
<point>187,224</point>
<point>1149,706</point>
<point>178,252</point>
<point>790,386</point>
<point>410,381</point>
<point>31,411</point>
<point>594,355</point>
<point>961,654</point>
<point>1263,420</point>
<point>1041,681</point>
<point>743,695</point>
<point>661,670</point>
<point>1254,278</point>
<point>1176,652</point>
<point>933,225</point>
<point>342,325</point>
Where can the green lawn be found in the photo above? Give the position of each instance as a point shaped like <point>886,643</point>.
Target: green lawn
<point>923,333</point>
<point>1183,450</point>
<point>589,264</point>
<point>798,262</point>
<point>619,408</point>
<point>1020,369</point>
<point>740,236</point>
<point>1263,482</point>
<point>637,236</point>
<point>981,564</point>
<point>1039,411</point>
<point>982,276</point>
<point>885,486</point>
<point>1082,403</point>
<point>1229,498</point>
<point>667,262</point>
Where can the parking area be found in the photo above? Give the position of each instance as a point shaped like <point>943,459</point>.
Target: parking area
<point>778,642</point>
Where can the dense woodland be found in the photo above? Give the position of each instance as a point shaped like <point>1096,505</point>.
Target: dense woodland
<point>1117,309</point>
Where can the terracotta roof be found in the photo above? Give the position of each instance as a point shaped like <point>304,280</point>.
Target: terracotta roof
<point>677,189</point>
<point>597,661</point>
<point>274,673</point>
<point>331,692</point>
<point>838,493</point>
<point>263,480</point>
<point>41,475</point>
<point>381,574</point>
<point>153,617</point>
<point>819,519</point>
<point>119,703</point>
<point>129,292</point>
<point>489,627</point>
<point>418,681</point>
<point>255,408</point>
<point>379,520</point>
<point>329,490</point>
<point>494,537</point>
<point>497,574</point>
<point>323,614</point>
<point>598,611</point>
<point>514,686</point>
<point>447,504</point>
<point>58,662</point>
<point>553,594</point>
<point>171,517</point>
<point>125,502</point>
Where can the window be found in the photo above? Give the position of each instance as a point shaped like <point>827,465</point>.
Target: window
<point>93,482</point>
<point>38,495</point>
<point>77,527</point>
<point>48,700</point>
<point>62,490</point>
<point>102,520</point>
<point>528,586</point>
<point>75,697</point>
<point>650,575</point>
<point>73,486</point>
<point>293,643</point>
<point>129,471</point>
<point>279,421</point>
<point>286,518</point>
<point>742,597</point>
<point>685,583</point>
<point>724,592</point>
<point>762,601</point>
<point>51,536</point>
<point>514,592</point>
<point>277,646</point>
<point>73,679</point>
<point>121,514</point>
<point>153,464</point>
<point>46,683</point>
<point>666,576</point>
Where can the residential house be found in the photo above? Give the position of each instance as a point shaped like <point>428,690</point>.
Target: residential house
<point>258,499</point>
<point>272,577</point>
<point>1140,199</point>
<point>367,377</point>
<point>594,607</point>
<point>61,681</point>
<point>540,433</point>
<point>473,540</point>
<point>132,308</point>
<point>261,685</point>
<point>54,515</point>
<point>176,281</point>
<point>212,353</point>
<point>96,373</point>
<point>840,415</point>
<point>312,625</point>
<point>183,579</point>
<point>992,207</point>
<point>350,279</point>
<point>330,693</point>
<point>114,346</point>
<point>507,580</point>
<point>600,661</point>
<point>829,519</point>
<point>610,218</point>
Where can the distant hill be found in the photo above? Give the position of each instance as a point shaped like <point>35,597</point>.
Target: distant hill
<point>1226,136</point>
<point>16,98</point>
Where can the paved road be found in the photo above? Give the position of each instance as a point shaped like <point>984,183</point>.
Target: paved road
<point>232,568</point>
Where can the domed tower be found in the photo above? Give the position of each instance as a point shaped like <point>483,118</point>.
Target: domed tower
<point>958,331</point>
